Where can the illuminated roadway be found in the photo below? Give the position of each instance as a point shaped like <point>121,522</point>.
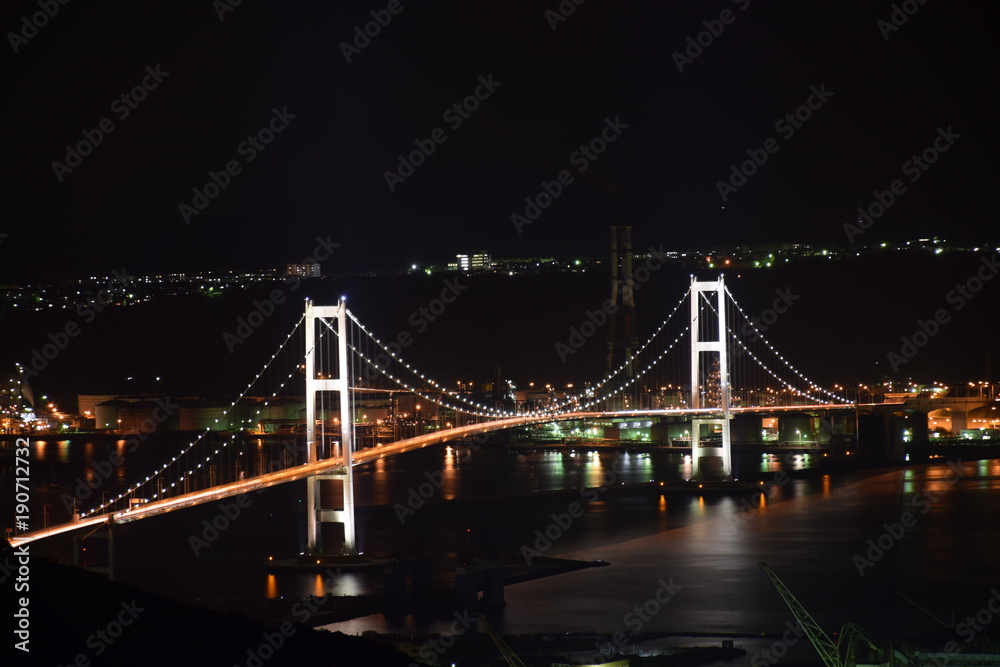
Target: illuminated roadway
<point>305,470</point>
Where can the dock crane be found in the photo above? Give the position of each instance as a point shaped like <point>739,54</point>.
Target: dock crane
<point>851,635</point>
<point>505,650</point>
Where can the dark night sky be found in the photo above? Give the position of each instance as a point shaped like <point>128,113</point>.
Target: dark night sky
<point>324,173</point>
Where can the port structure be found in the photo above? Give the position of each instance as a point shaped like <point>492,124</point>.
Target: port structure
<point>336,318</point>
<point>851,636</point>
<point>623,337</point>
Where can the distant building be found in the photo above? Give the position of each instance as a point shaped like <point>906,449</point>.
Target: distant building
<point>310,270</point>
<point>480,261</point>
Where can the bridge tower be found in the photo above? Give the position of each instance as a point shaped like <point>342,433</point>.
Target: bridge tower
<point>316,514</point>
<point>623,339</point>
<point>717,344</point>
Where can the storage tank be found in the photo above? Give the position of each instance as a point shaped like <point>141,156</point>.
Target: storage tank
<point>107,414</point>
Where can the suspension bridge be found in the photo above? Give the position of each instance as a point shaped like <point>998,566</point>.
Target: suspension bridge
<point>724,380</point>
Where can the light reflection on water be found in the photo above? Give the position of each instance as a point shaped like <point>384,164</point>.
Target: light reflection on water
<point>808,529</point>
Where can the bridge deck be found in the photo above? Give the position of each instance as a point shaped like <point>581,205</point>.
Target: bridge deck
<point>305,470</point>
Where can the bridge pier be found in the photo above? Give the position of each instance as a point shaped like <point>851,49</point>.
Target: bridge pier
<point>397,595</point>
<point>105,531</point>
<point>796,427</point>
<point>919,432</point>
<point>467,585</point>
<point>711,462</point>
<point>667,429</point>
<point>320,512</point>
<point>959,422</point>
<point>747,428</point>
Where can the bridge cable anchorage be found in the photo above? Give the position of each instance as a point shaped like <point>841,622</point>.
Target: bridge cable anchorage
<point>135,487</point>
<point>492,413</point>
<point>782,358</point>
<point>423,377</point>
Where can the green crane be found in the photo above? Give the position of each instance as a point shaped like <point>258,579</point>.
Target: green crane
<point>851,635</point>
<point>505,651</point>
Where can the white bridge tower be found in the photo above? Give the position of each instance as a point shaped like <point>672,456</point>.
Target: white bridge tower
<point>718,343</point>
<point>316,513</point>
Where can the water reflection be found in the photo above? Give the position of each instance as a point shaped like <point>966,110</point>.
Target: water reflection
<point>809,525</point>
<point>449,482</point>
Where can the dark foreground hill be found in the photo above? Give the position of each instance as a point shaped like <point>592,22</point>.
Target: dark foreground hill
<point>80,618</point>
